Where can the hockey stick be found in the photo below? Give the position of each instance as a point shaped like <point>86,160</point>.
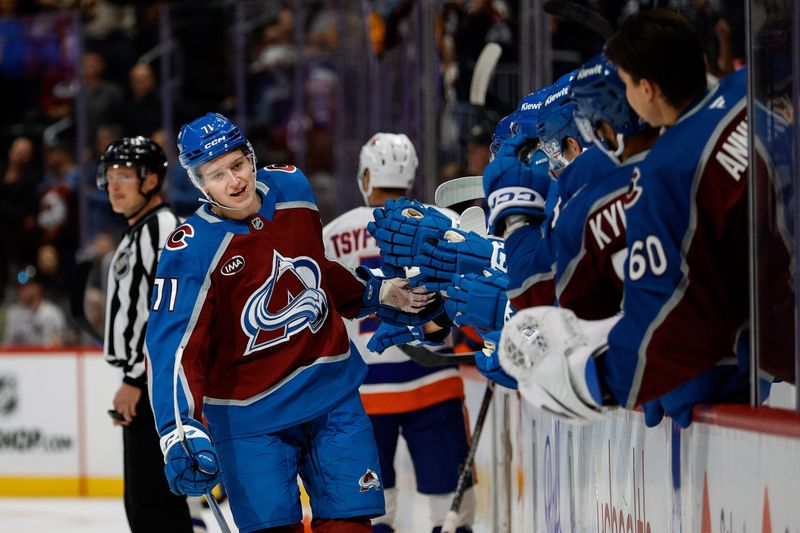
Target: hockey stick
<point>482,73</point>
<point>451,520</point>
<point>431,359</point>
<point>587,17</point>
<point>474,219</point>
<point>459,190</point>
<point>181,432</point>
<point>77,293</point>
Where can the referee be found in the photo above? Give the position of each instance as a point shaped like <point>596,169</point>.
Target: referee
<point>131,171</point>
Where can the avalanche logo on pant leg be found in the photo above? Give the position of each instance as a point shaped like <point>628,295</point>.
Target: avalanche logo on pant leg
<point>288,301</point>
<point>369,481</point>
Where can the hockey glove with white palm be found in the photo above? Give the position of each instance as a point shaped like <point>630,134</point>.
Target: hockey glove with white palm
<point>548,349</point>
<point>393,300</point>
<point>191,464</point>
<point>459,253</point>
<point>479,300</point>
<point>516,183</point>
<point>402,226</point>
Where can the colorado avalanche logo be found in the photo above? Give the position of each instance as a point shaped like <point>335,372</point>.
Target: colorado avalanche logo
<point>369,481</point>
<point>288,301</point>
<point>634,189</point>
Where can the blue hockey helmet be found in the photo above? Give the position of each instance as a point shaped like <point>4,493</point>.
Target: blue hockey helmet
<point>501,133</point>
<point>555,121</point>
<point>598,94</point>
<point>207,138</point>
<point>528,113</point>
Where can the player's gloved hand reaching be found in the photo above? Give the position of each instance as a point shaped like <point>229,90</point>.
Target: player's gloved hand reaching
<point>516,182</point>
<point>389,335</point>
<point>402,226</point>
<point>442,262</point>
<point>191,464</point>
<point>479,300</point>
<point>488,362</point>
<point>395,301</point>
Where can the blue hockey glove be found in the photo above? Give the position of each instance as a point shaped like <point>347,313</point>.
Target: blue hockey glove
<point>393,300</point>
<point>389,335</point>
<point>402,226</point>
<point>516,182</point>
<point>191,464</point>
<point>459,253</point>
<point>479,301</point>
<point>488,363</point>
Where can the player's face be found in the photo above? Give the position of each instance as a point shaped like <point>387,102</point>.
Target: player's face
<point>123,190</point>
<point>640,97</point>
<point>230,181</point>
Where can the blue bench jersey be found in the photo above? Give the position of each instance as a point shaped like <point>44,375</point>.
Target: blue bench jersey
<point>532,252</point>
<point>685,290</point>
<point>589,236</point>
<point>246,317</point>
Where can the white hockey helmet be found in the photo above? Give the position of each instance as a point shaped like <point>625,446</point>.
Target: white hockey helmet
<point>391,161</point>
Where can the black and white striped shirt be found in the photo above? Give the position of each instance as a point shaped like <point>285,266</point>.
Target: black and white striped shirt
<point>130,283</point>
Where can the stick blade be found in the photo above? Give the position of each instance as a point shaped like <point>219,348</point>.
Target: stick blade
<point>585,16</point>
<point>459,190</point>
<point>474,219</point>
<point>482,74</point>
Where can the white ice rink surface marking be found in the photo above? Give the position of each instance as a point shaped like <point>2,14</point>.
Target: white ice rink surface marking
<point>107,515</point>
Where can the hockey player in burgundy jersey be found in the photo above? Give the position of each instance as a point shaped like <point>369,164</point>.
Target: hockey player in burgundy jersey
<point>686,272</point>
<point>400,396</point>
<point>246,332</point>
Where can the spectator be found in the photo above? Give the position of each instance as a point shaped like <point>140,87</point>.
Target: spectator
<point>103,98</point>
<point>58,211</point>
<point>478,142</point>
<point>17,207</point>
<point>34,320</point>
<point>143,112</point>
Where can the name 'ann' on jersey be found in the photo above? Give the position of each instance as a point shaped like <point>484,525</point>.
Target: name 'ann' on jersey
<point>589,236</point>
<point>685,290</point>
<point>246,317</point>
<point>394,383</point>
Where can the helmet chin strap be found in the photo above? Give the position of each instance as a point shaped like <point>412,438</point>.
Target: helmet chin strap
<point>147,196</point>
<point>213,203</point>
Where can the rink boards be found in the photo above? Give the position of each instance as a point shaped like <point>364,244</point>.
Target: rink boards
<point>732,471</point>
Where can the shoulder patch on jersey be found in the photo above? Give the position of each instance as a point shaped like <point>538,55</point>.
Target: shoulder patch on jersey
<point>290,169</point>
<point>634,189</point>
<point>177,239</point>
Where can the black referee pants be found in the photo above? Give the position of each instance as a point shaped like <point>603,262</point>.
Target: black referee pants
<point>149,504</point>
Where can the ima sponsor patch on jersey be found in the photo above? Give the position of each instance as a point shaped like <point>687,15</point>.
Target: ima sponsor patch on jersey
<point>232,266</point>
<point>369,481</point>
<point>289,301</point>
<point>177,239</point>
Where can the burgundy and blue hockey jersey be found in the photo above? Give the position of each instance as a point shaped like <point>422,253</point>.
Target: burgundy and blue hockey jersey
<point>589,237</point>
<point>246,317</point>
<point>685,290</point>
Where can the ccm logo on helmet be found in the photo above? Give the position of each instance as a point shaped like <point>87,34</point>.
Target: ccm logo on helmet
<point>177,239</point>
<point>213,143</point>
